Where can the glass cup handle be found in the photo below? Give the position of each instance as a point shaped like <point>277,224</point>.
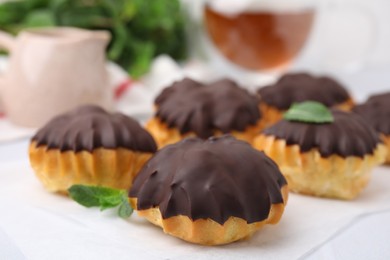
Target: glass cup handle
<point>356,44</point>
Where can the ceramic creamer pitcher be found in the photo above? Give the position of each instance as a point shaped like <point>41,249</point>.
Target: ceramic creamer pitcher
<point>52,70</point>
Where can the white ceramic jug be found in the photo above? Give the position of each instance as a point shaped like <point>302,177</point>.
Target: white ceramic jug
<point>52,70</point>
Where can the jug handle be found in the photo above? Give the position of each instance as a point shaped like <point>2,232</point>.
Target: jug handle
<point>7,42</point>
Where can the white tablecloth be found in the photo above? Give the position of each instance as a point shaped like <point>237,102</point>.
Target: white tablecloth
<point>35,224</point>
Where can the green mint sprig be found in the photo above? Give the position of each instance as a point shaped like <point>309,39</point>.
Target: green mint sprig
<point>103,197</point>
<point>309,112</point>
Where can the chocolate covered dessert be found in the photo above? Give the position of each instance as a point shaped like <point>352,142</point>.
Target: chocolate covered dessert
<point>327,159</point>
<point>299,87</point>
<point>189,108</point>
<point>89,146</point>
<point>376,111</point>
<point>210,192</point>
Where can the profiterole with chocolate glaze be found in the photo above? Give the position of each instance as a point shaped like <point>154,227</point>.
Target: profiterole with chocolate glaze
<point>189,108</point>
<point>299,87</point>
<point>92,147</point>
<point>210,192</point>
<point>376,111</point>
<point>331,158</point>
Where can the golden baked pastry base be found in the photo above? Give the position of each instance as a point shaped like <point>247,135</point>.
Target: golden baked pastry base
<point>165,135</point>
<point>271,115</point>
<point>58,170</point>
<point>386,140</point>
<point>207,231</point>
<point>310,173</point>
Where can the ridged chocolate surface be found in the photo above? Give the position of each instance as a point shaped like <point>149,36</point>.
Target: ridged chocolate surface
<point>216,178</point>
<point>193,107</point>
<point>376,111</point>
<point>299,87</point>
<point>89,127</point>
<point>348,135</point>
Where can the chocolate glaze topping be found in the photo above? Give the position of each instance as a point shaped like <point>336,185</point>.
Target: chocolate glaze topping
<point>216,178</point>
<point>193,107</point>
<point>348,135</point>
<point>376,111</point>
<point>299,87</point>
<point>89,127</point>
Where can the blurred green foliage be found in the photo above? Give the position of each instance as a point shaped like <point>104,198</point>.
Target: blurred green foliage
<point>141,29</point>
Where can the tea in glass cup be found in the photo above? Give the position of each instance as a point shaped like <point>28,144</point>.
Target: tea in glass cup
<point>259,35</point>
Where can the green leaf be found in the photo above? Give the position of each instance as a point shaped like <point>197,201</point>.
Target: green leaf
<point>103,197</point>
<point>128,11</point>
<point>39,18</point>
<point>120,33</point>
<point>12,12</point>
<point>141,63</point>
<point>125,210</point>
<point>309,112</point>
<point>110,201</point>
<point>95,196</point>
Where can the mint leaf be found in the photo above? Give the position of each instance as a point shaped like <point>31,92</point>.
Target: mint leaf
<point>125,210</point>
<point>309,112</point>
<point>103,197</point>
<point>110,201</point>
<point>88,196</point>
